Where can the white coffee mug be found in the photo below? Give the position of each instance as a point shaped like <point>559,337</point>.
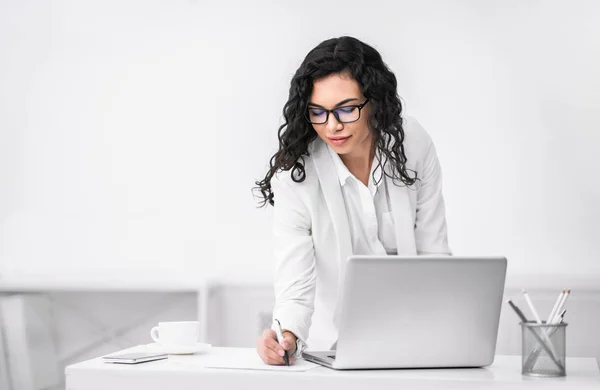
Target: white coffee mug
<point>178,333</point>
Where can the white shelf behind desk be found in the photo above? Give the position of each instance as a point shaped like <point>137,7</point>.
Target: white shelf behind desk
<point>28,341</point>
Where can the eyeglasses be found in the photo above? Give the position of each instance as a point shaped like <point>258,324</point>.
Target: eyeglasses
<point>345,114</point>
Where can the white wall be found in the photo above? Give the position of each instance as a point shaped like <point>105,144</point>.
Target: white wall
<point>131,131</point>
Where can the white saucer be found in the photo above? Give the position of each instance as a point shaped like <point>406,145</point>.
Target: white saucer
<point>178,349</point>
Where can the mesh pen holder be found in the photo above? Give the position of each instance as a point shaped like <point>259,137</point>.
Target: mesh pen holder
<point>543,349</point>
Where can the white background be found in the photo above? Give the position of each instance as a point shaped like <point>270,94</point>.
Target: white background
<point>131,132</point>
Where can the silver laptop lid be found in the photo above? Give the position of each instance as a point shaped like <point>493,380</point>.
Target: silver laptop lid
<point>439,311</point>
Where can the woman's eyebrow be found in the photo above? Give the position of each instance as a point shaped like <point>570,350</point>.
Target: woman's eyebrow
<point>337,105</point>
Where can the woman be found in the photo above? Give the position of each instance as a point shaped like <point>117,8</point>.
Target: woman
<point>351,176</point>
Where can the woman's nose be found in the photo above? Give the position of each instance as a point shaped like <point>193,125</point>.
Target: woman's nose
<point>333,124</point>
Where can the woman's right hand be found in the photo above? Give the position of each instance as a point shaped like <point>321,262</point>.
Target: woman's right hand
<point>271,352</point>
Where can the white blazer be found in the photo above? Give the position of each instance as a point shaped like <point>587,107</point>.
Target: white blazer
<point>312,237</point>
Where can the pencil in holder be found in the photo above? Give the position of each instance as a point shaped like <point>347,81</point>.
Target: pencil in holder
<point>543,349</point>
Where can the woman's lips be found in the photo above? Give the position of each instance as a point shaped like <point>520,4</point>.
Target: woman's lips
<point>339,142</point>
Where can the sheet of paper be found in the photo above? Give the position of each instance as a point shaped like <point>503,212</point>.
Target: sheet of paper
<point>256,363</point>
<point>234,359</point>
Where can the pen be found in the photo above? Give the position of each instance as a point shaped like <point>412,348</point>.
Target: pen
<point>279,332</point>
<point>531,307</point>
<point>561,306</point>
<point>562,316</point>
<point>518,311</point>
<point>555,307</point>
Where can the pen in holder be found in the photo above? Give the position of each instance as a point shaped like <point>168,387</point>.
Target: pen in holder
<point>543,349</point>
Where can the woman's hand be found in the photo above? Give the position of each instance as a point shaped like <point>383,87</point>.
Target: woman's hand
<point>271,352</point>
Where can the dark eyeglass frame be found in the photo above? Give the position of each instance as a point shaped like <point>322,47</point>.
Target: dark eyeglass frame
<point>335,113</point>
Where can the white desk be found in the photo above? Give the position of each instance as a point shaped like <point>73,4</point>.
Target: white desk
<point>189,373</point>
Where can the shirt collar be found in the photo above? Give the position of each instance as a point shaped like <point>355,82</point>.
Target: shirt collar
<point>342,170</point>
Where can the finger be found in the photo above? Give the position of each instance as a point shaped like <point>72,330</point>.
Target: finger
<point>274,345</point>
<point>273,358</point>
<point>289,343</point>
<point>267,355</point>
<point>281,361</point>
<point>269,340</point>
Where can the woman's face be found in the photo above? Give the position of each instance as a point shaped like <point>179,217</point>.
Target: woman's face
<point>340,90</point>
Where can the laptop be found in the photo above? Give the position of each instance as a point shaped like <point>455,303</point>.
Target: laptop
<point>417,312</point>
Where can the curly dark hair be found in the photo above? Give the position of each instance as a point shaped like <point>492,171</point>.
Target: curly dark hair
<point>363,63</point>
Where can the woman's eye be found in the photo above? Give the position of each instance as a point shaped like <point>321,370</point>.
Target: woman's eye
<point>316,112</point>
<point>346,110</point>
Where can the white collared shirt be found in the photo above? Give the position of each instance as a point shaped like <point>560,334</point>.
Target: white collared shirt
<point>368,209</point>
<point>369,215</point>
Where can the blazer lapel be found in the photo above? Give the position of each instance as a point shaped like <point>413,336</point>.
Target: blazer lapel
<point>332,192</point>
<point>404,220</point>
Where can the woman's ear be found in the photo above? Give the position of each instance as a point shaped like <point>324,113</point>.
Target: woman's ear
<point>373,124</point>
